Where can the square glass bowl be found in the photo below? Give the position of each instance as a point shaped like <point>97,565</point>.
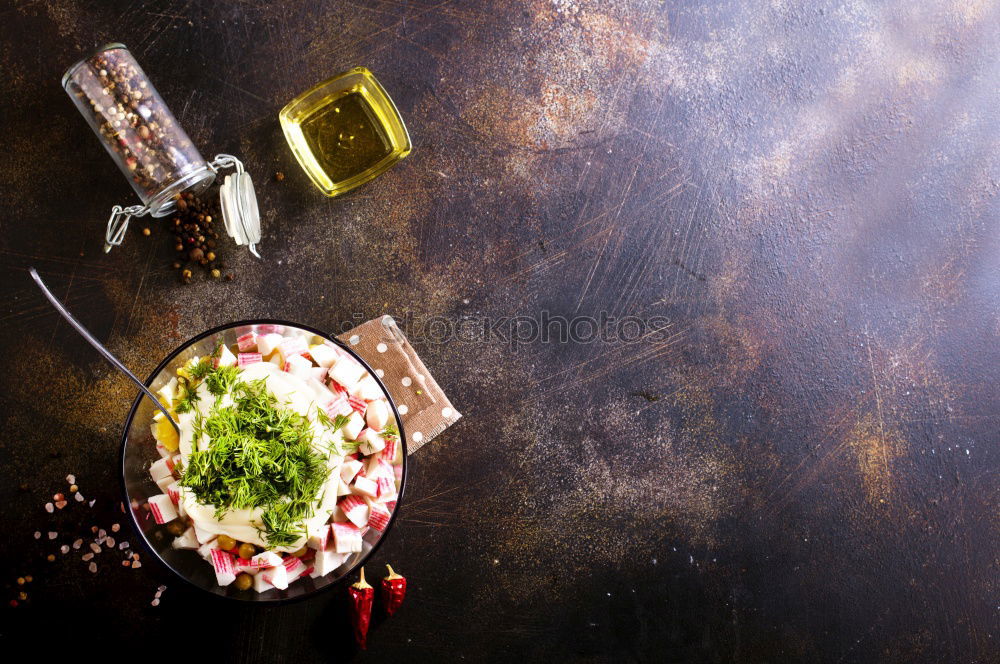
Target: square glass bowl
<point>345,131</point>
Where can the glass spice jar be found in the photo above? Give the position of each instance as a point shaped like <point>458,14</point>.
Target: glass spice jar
<point>150,147</point>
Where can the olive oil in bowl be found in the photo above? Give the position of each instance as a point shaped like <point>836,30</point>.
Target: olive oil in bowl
<point>345,131</point>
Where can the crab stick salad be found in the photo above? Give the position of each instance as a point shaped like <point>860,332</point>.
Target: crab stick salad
<point>288,453</point>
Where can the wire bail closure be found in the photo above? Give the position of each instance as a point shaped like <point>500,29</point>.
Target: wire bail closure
<point>118,224</point>
<point>239,203</point>
<point>236,196</point>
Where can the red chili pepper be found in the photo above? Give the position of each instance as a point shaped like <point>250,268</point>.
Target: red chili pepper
<point>362,595</point>
<point>393,591</point>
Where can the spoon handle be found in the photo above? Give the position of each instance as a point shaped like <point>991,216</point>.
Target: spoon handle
<point>97,345</point>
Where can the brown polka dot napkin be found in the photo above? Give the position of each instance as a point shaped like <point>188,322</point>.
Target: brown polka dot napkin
<point>423,406</point>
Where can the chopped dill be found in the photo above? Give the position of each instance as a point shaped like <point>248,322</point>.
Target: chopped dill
<point>332,424</point>
<point>257,456</point>
<point>189,395</point>
<point>390,431</point>
<point>220,380</point>
<point>198,370</point>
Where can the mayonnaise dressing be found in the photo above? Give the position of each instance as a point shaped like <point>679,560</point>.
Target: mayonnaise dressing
<point>293,393</point>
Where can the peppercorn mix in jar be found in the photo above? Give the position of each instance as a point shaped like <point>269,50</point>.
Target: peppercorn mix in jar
<point>136,128</point>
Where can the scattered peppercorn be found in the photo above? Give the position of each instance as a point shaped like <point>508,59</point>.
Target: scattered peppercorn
<point>279,176</point>
<point>145,231</point>
<point>194,239</point>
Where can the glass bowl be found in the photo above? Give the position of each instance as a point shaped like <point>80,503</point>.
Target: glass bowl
<point>320,126</point>
<point>138,451</point>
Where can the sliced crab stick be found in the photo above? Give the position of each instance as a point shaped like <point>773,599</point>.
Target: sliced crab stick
<point>371,442</point>
<point>247,342</point>
<point>363,486</point>
<point>186,540</point>
<point>225,358</point>
<point>377,414</point>
<point>161,468</point>
<point>319,537</point>
<point>268,343</point>
<point>225,570</point>
<point>355,424</point>
<point>347,372</point>
<point>277,576</point>
<point>246,359</point>
<point>379,517</point>
<point>323,355</point>
<point>299,366</point>
<point>327,561</point>
<point>356,509</point>
<point>346,538</point>
<point>265,559</point>
<point>162,508</point>
<point>349,469</point>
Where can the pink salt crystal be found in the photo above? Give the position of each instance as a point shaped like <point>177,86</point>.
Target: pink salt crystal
<point>87,556</point>
<point>49,508</point>
<point>155,602</point>
<point>38,535</point>
<point>77,544</point>
<point>115,528</point>
<point>71,479</point>
<point>53,535</point>
<point>110,542</point>
<point>95,547</point>
<point>92,567</point>
<point>78,496</point>
<point>64,548</point>
<point>61,504</point>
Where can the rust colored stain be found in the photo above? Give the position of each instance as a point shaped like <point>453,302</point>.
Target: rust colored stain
<point>876,450</point>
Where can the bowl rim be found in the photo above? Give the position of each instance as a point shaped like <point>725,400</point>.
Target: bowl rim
<point>131,415</point>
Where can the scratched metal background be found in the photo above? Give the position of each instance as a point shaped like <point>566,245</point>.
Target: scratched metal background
<point>801,468</point>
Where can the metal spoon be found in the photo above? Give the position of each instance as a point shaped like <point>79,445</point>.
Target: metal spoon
<point>97,344</point>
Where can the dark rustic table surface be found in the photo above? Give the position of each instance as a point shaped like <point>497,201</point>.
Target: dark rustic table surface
<point>782,216</point>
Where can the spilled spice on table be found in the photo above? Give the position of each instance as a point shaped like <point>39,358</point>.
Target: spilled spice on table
<point>195,238</point>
